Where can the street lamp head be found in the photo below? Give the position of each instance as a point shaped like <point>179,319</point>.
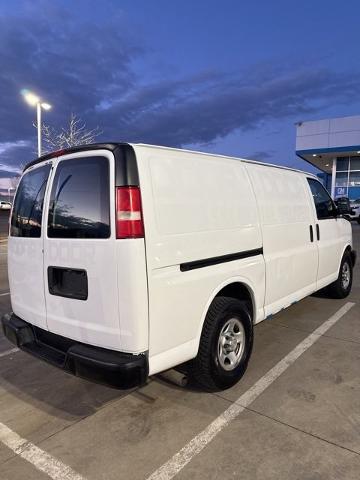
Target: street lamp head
<point>46,106</point>
<point>36,101</point>
<point>30,97</point>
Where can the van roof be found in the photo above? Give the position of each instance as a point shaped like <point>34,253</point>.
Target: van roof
<point>216,155</point>
<point>112,146</point>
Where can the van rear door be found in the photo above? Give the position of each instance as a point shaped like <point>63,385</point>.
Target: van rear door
<point>80,267</point>
<point>25,246</point>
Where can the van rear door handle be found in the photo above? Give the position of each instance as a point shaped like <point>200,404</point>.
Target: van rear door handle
<point>311,234</point>
<point>317,231</point>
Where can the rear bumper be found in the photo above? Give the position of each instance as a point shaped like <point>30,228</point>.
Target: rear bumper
<point>109,367</point>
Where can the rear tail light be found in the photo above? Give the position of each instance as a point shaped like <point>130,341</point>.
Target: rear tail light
<point>129,221</point>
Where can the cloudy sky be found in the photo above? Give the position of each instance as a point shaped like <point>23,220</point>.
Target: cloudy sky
<point>228,76</point>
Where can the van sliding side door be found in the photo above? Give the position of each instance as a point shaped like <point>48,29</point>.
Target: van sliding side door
<point>286,215</point>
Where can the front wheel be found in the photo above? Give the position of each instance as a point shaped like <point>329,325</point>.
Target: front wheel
<point>225,345</point>
<point>342,286</point>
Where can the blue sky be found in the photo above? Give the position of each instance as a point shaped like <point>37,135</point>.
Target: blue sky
<point>230,77</point>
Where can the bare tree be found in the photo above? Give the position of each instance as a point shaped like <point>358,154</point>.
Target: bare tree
<point>75,133</point>
<point>11,187</point>
<point>14,182</point>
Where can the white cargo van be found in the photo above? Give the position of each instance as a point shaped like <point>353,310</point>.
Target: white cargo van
<point>127,260</point>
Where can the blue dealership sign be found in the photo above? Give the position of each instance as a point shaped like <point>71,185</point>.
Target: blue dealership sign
<point>340,191</point>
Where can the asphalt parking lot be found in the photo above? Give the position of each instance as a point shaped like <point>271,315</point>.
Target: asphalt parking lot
<point>300,422</point>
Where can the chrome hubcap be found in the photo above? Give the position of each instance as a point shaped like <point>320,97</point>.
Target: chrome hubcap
<point>231,344</point>
<point>345,275</point>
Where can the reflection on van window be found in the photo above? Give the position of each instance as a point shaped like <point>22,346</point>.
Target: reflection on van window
<point>324,205</point>
<point>28,205</point>
<point>79,203</point>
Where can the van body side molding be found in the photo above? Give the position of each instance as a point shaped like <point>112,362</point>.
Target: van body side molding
<point>207,262</point>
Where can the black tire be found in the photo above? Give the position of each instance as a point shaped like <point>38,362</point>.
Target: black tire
<point>206,368</point>
<point>341,288</point>
<point>358,220</point>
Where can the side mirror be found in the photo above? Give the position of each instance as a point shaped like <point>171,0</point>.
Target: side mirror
<point>343,206</point>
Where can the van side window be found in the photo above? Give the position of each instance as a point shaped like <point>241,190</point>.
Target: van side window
<point>28,205</point>
<point>80,203</point>
<point>324,205</point>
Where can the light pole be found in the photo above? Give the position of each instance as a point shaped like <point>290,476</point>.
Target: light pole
<point>35,101</point>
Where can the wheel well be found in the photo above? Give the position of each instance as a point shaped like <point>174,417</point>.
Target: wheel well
<point>240,292</point>
<point>352,254</point>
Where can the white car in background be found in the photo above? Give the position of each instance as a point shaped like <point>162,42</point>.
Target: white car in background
<point>355,207</point>
<point>5,205</point>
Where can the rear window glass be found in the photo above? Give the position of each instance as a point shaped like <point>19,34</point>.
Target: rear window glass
<point>28,205</point>
<point>79,203</point>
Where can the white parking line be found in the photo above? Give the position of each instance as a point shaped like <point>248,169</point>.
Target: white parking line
<point>3,294</point>
<point>8,352</point>
<point>198,443</point>
<point>37,457</point>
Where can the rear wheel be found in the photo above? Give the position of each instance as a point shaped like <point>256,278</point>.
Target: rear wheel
<point>225,345</point>
<point>342,286</point>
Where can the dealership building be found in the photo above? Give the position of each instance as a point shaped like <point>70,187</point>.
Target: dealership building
<point>333,146</point>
